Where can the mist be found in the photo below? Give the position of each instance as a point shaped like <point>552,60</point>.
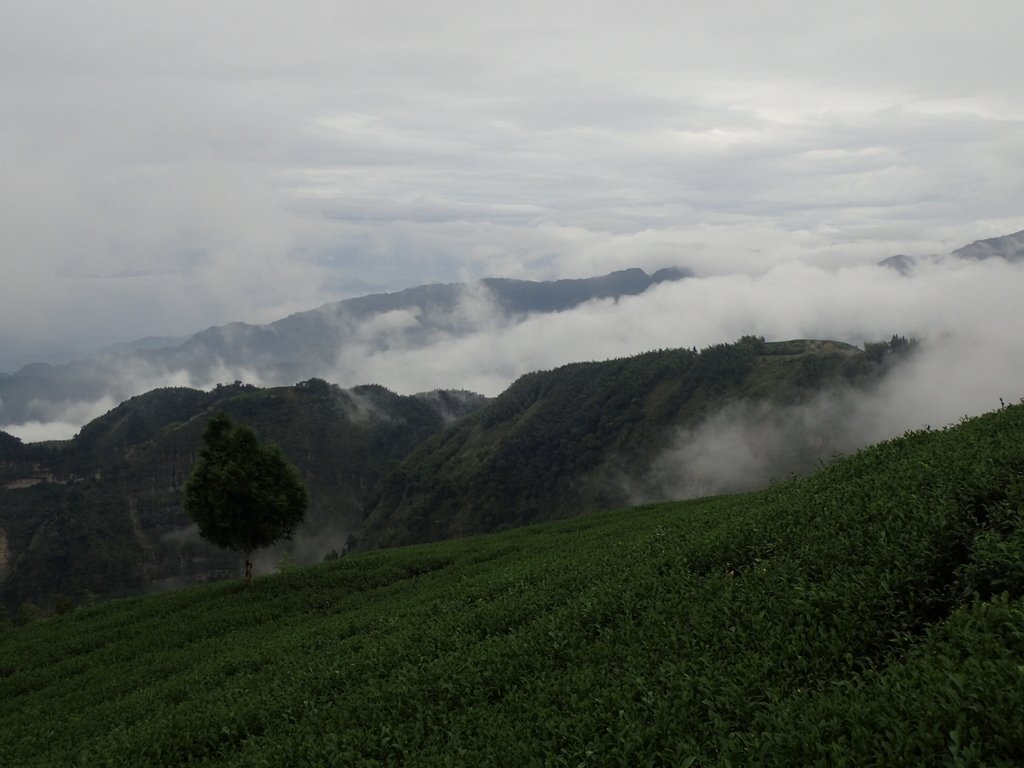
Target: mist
<point>171,167</point>
<point>970,359</point>
<point>966,311</point>
<point>63,420</point>
<point>749,445</point>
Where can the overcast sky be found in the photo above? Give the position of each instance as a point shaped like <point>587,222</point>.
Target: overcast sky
<point>172,165</point>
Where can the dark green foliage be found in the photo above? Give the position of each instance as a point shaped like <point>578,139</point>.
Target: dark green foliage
<point>102,513</point>
<point>243,495</point>
<point>64,539</point>
<point>10,447</point>
<point>997,557</point>
<point>842,619</point>
<point>28,612</point>
<point>12,456</point>
<point>584,436</point>
<point>62,604</point>
<point>896,346</point>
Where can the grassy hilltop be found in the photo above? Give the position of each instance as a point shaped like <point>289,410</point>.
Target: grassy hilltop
<point>870,614</point>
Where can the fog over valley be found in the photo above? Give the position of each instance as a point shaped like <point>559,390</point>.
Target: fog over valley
<point>965,310</point>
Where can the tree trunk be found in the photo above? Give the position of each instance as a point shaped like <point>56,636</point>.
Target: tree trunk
<point>248,567</point>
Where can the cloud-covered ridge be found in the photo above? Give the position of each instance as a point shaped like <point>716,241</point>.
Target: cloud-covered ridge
<point>465,337</point>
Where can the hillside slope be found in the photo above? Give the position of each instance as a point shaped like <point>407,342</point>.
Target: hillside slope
<point>1009,247</point>
<point>590,436</point>
<point>102,515</point>
<point>870,614</point>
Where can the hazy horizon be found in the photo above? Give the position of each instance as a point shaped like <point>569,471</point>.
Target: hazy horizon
<point>175,166</point>
<point>966,311</point>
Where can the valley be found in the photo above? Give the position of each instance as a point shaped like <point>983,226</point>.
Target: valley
<point>101,516</point>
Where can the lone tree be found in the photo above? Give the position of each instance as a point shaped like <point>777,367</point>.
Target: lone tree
<point>241,494</point>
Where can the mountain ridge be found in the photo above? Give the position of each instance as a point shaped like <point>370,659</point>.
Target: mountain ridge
<point>102,513</point>
<point>590,436</point>
<point>302,345</point>
<point>1010,248</point>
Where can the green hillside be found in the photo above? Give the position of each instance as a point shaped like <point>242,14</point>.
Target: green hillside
<point>870,614</point>
<point>101,514</point>
<point>585,436</point>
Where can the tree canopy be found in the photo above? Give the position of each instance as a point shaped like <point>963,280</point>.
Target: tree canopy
<point>242,494</point>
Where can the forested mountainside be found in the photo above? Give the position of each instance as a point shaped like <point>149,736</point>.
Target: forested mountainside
<point>592,436</point>
<point>101,514</point>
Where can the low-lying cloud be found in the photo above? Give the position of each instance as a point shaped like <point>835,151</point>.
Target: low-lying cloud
<point>967,311</point>
<point>61,421</point>
<point>748,445</point>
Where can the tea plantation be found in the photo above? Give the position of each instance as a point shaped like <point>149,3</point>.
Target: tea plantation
<point>870,614</point>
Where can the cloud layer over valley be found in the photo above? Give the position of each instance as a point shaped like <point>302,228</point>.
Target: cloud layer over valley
<point>966,311</point>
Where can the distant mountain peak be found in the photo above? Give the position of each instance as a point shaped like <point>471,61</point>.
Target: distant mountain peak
<point>671,274</point>
<point>900,262</point>
<point>304,344</point>
<point>1009,247</point>
<point>522,296</point>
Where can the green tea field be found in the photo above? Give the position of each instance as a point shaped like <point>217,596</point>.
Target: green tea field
<point>870,614</point>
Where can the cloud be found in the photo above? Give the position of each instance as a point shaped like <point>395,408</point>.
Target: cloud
<point>965,310</point>
<point>748,445</point>
<point>58,420</point>
<point>177,166</point>
<point>973,304</point>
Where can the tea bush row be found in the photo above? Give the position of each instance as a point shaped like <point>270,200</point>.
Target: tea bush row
<point>869,614</point>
